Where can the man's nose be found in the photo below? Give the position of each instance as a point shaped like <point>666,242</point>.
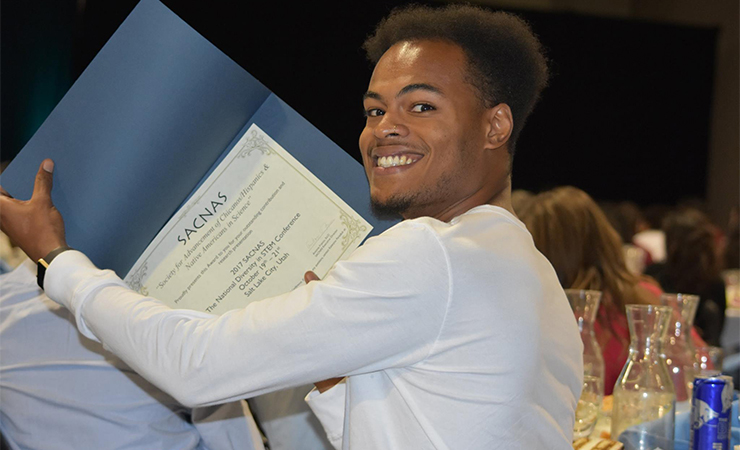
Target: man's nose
<point>390,126</point>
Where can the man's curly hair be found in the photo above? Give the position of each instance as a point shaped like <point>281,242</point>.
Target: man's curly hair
<point>506,60</point>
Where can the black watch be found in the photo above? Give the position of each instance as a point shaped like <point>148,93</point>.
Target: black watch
<point>44,262</point>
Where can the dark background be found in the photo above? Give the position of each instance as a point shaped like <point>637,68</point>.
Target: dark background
<point>626,115</point>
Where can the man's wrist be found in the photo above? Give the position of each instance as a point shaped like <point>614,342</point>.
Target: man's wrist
<point>43,263</point>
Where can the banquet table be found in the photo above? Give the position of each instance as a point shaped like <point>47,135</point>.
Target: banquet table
<point>600,438</point>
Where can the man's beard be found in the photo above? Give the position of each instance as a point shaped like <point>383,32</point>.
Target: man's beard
<point>393,207</point>
<point>401,204</point>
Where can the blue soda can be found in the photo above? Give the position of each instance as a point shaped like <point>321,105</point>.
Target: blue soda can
<point>711,406</point>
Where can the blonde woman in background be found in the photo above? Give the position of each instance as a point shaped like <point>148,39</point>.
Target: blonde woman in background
<point>570,229</point>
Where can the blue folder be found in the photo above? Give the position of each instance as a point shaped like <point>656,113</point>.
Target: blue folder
<point>146,122</point>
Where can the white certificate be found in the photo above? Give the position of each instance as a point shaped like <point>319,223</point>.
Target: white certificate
<point>250,232</point>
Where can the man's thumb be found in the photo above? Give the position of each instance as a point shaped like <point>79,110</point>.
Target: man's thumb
<point>310,276</point>
<point>42,186</point>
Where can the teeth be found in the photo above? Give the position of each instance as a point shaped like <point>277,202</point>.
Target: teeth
<point>393,161</point>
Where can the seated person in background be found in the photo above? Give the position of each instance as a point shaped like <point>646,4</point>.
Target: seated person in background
<point>731,254</point>
<point>574,234</point>
<point>692,266</point>
<point>652,238</point>
<point>519,198</point>
<point>627,220</point>
<point>61,390</point>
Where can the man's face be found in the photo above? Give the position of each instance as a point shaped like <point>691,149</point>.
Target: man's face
<point>423,143</point>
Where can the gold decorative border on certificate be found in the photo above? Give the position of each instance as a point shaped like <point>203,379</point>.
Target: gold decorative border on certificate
<point>354,227</point>
<point>136,283</point>
<point>256,142</point>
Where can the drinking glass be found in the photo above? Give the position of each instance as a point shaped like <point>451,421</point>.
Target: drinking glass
<point>585,304</point>
<point>678,349</point>
<point>731,278</point>
<point>589,406</point>
<point>709,358</point>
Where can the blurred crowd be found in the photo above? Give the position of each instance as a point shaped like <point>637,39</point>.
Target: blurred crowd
<point>633,255</point>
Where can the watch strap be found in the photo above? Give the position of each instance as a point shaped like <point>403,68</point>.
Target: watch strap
<point>44,262</point>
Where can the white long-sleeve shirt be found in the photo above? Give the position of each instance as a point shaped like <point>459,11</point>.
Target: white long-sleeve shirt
<point>453,335</point>
<point>61,391</point>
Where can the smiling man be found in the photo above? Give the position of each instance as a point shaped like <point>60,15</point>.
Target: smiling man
<point>430,146</point>
<point>450,329</point>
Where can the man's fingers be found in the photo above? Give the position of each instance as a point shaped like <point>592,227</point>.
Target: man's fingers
<point>8,209</point>
<point>310,276</point>
<point>42,186</point>
<point>323,386</point>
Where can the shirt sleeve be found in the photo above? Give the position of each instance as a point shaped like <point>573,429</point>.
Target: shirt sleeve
<point>383,307</point>
<point>329,408</point>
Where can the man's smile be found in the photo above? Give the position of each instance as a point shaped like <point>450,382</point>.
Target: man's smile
<point>396,160</point>
<point>389,156</point>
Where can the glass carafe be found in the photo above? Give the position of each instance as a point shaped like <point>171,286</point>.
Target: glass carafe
<point>678,349</point>
<point>644,407</point>
<point>585,304</point>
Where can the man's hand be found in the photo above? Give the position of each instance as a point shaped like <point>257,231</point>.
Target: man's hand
<point>35,225</point>
<point>325,385</point>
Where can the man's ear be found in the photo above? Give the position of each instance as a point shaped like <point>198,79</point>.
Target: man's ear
<point>500,124</point>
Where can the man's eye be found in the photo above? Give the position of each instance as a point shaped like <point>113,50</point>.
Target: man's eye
<point>422,107</point>
<point>374,112</point>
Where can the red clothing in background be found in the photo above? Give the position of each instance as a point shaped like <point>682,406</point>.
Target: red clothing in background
<point>615,341</point>
<point>614,344</point>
